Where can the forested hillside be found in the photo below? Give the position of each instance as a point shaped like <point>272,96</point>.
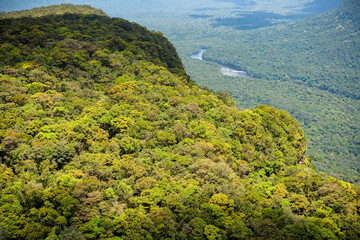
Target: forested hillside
<point>103,136</point>
<point>320,52</point>
<point>309,67</point>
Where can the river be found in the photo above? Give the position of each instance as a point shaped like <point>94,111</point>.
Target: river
<point>224,69</point>
<point>198,55</point>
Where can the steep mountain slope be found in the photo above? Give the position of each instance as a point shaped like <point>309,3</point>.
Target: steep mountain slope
<point>310,68</point>
<point>104,137</point>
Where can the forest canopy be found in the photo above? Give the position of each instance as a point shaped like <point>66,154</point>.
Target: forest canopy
<point>308,67</point>
<point>103,136</point>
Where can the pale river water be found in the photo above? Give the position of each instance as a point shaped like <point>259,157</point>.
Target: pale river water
<point>224,69</point>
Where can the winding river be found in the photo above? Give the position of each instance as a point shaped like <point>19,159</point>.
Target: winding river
<point>224,69</point>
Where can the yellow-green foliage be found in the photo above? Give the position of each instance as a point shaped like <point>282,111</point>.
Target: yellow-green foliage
<point>133,151</point>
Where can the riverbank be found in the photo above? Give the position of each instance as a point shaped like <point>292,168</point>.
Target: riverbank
<point>224,69</point>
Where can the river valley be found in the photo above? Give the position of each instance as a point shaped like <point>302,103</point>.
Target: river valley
<point>224,69</point>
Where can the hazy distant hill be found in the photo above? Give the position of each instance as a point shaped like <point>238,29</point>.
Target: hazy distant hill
<point>57,10</point>
<point>322,51</point>
<point>350,9</point>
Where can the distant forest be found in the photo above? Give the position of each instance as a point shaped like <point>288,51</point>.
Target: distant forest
<point>309,67</point>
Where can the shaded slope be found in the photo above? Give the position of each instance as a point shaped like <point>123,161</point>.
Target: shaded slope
<point>116,34</point>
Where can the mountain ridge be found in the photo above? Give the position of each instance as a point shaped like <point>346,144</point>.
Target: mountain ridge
<point>55,10</point>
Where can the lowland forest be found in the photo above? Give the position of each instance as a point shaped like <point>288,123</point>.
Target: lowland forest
<point>309,67</point>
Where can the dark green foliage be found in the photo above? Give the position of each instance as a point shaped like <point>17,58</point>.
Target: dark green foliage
<point>63,40</point>
<point>117,147</point>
